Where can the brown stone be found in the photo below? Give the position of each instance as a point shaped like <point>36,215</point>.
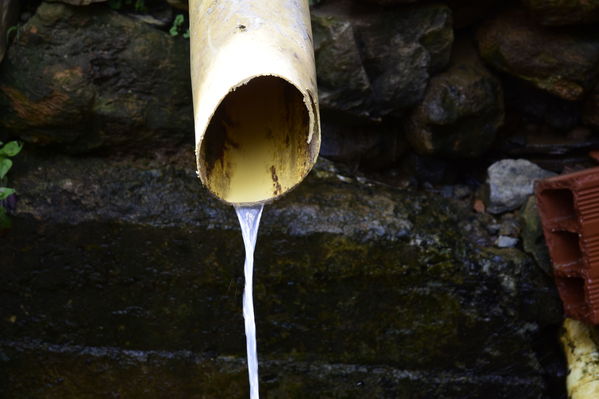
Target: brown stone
<point>479,206</point>
<point>461,111</point>
<point>562,62</point>
<point>85,78</point>
<point>563,12</point>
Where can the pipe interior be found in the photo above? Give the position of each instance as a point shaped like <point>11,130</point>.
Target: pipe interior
<point>255,147</point>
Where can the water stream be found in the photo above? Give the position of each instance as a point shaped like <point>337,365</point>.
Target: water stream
<point>249,219</point>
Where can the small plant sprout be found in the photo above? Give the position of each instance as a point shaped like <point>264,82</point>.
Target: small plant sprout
<point>178,25</point>
<point>7,151</point>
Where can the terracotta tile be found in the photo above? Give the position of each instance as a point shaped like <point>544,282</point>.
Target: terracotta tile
<point>569,209</point>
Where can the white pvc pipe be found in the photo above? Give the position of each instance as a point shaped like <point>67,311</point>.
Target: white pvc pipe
<point>255,98</point>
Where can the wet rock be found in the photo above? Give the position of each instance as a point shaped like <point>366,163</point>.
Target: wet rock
<point>532,236</point>
<point>134,255</point>
<point>109,372</point>
<point>563,12</point>
<point>461,111</point>
<point>343,83</point>
<point>376,62</point>
<point>510,182</point>
<point>562,62</point>
<point>401,49</point>
<point>9,12</point>
<point>117,84</point>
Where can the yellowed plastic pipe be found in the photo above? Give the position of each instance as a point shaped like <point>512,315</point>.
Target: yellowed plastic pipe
<point>580,346</point>
<point>255,100</point>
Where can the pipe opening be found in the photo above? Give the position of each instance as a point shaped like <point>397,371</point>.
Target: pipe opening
<point>255,147</point>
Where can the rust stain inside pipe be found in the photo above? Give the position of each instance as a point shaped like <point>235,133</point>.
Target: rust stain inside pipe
<point>256,144</point>
<point>257,123</point>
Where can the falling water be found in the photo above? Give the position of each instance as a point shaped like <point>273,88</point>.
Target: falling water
<point>249,219</point>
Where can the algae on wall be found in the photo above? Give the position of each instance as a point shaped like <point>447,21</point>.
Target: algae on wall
<point>351,277</point>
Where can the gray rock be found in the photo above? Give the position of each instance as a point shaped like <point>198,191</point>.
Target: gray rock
<point>401,49</point>
<point>359,84</point>
<point>510,182</point>
<point>506,242</point>
<point>343,83</point>
<point>373,62</point>
<point>117,84</point>
<point>461,111</point>
<point>126,263</point>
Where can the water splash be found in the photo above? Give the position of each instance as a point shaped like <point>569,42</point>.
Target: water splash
<point>249,219</point>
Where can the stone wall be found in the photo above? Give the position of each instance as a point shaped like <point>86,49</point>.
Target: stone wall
<point>382,276</point>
